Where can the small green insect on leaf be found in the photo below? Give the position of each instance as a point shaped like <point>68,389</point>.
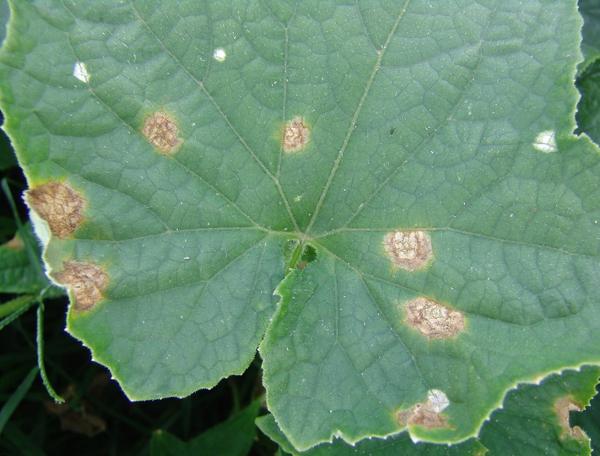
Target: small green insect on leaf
<point>403,173</point>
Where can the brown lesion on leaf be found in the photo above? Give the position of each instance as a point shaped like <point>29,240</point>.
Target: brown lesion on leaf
<point>295,135</point>
<point>421,415</point>
<point>562,408</point>
<point>427,414</point>
<point>408,250</point>
<point>432,319</point>
<point>59,205</point>
<point>162,132</point>
<point>86,281</point>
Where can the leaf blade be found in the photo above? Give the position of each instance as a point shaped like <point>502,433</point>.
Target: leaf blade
<point>16,397</point>
<point>193,152</point>
<point>529,410</point>
<point>233,437</point>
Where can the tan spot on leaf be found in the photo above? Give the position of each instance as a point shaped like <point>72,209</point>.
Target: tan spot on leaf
<point>432,319</point>
<point>59,205</point>
<point>427,414</point>
<point>162,132</point>
<point>86,281</point>
<point>16,243</point>
<point>562,408</point>
<point>409,250</point>
<point>296,135</point>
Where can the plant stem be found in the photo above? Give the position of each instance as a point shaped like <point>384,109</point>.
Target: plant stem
<point>40,354</point>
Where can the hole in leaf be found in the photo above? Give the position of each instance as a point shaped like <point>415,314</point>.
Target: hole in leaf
<point>298,255</point>
<point>308,255</point>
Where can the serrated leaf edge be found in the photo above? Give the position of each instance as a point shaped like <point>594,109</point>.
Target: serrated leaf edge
<point>283,291</point>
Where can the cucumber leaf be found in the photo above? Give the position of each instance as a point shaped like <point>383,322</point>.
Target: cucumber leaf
<point>21,269</point>
<point>424,154</point>
<point>233,437</point>
<point>400,445</point>
<point>588,113</point>
<point>534,420</point>
<point>537,420</point>
<point>590,10</point>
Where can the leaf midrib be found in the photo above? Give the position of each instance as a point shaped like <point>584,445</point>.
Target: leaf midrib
<point>357,111</point>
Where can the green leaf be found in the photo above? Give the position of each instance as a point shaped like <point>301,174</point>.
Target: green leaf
<point>20,271</point>
<point>400,445</point>
<point>234,437</point>
<point>589,421</point>
<point>424,152</point>
<point>542,412</point>
<point>166,444</point>
<point>16,397</point>
<point>13,308</point>
<point>533,421</point>
<point>588,113</point>
<point>590,46</point>
<point>328,359</point>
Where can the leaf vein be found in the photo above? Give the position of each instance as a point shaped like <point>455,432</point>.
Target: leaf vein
<point>351,128</point>
<point>137,134</point>
<point>222,113</point>
<point>466,233</point>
